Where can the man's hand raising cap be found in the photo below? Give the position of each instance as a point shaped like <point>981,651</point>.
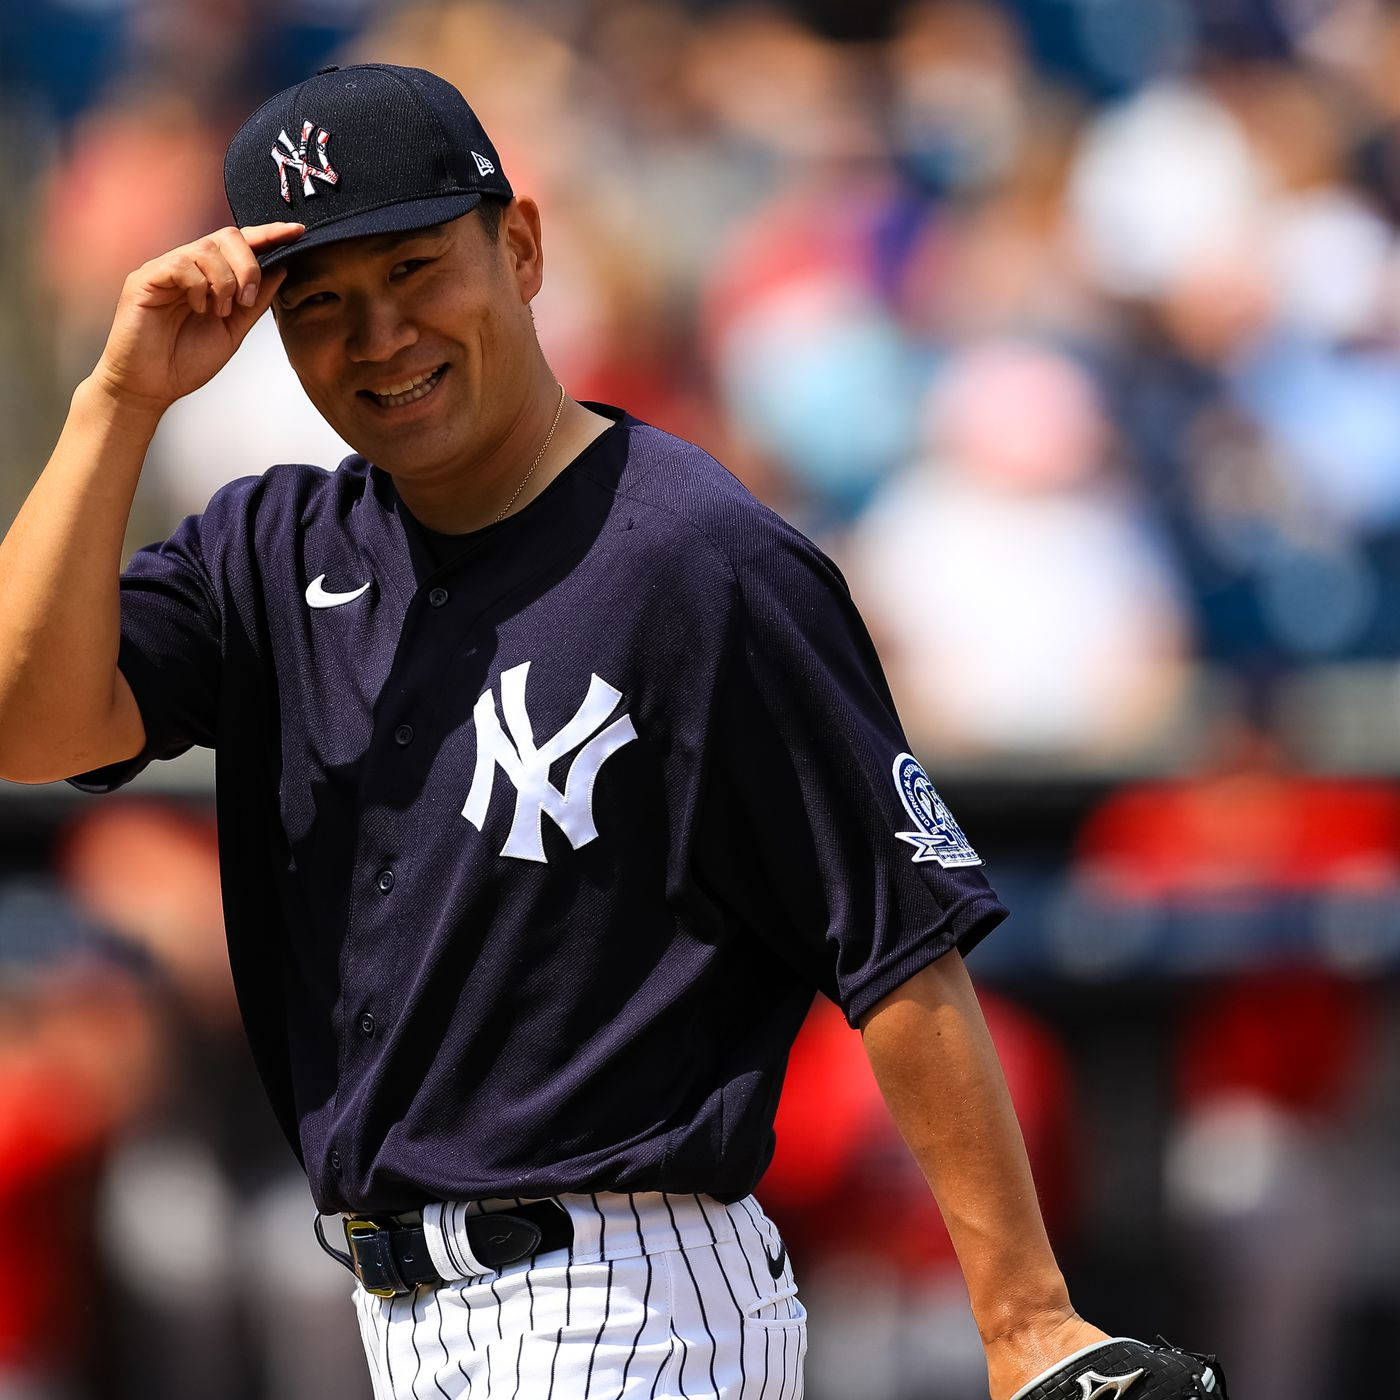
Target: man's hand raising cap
<point>181,316</point>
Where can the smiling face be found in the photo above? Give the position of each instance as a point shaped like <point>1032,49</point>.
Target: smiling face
<point>418,348</point>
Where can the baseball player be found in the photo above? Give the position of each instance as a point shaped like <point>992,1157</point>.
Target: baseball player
<point>555,776</point>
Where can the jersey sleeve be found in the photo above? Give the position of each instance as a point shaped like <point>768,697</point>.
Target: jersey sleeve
<point>170,652</point>
<point>847,860</point>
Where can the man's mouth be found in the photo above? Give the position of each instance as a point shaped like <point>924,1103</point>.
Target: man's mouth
<point>409,390</point>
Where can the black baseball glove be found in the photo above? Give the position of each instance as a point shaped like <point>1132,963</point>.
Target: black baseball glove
<point>1123,1369</point>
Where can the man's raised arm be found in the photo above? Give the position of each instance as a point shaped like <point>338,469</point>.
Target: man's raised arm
<point>64,705</point>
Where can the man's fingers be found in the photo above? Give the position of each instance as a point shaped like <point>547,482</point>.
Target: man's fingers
<point>178,270</point>
<point>223,285</point>
<point>244,316</point>
<point>219,271</point>
<point>242,261</point>
<point>262,236</point>
<point>258,237</point>
<point>267,289</point>
<point>234,248</point>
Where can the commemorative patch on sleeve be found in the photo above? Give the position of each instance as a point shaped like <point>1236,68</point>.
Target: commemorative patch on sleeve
<point>938,837</point>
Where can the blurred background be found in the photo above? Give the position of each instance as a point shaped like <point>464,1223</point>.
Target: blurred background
<point>1071,329</point>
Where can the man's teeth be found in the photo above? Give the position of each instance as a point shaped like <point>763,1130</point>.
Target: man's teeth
<point>409,390</point>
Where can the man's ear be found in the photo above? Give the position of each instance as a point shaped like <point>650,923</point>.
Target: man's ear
<point>523,245</point>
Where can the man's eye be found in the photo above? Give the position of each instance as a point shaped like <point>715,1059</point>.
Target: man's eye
<point>408,265</point>
<point>313,299</point>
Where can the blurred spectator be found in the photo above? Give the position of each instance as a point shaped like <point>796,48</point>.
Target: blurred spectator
<point>1020,603</point>
<point>1261,400</point>
<point>957,111</point>
<point>1251,1175</point>
<point>141,174</point>
<point>205,1214</point>
<point>1247,860</point>
<point>1162,183</point>
<point>1270,1063</point>
<point>811,367</point>
<point>77,1062</point>
<point>1248,824</point>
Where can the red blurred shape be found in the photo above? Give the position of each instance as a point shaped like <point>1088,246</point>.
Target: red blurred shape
<point>842,1180</point>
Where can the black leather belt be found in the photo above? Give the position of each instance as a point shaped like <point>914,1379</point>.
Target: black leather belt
<point>390,1258</point>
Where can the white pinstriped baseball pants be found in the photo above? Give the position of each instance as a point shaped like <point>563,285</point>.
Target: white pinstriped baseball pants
<point>662,1297</point>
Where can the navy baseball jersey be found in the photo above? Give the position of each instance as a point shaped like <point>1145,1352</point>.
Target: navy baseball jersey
<point>537,842</point>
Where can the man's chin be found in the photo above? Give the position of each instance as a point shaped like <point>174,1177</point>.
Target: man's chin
<point>405,462</point>
<point>411,449</point>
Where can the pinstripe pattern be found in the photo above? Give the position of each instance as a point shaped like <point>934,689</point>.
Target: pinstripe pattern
<point>662,1297</point>
<point>413,1339</point>
<point>646,1299</point>
<point>700,1304</point>
<point>754,1292</point>
<point>388,1354</point>
<point>471,1344</point>
<point>734,1304</point>
<point>432,1306</point>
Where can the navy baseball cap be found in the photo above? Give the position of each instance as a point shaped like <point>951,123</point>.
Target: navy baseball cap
<point>366,149</point>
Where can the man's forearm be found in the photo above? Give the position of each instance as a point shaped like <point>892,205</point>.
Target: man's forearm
<point>938,1070</point>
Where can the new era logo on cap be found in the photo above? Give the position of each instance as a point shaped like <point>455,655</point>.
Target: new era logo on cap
<point>409,153</point>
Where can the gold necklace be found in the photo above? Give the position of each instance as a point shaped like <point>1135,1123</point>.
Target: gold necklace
<point>539,457</point>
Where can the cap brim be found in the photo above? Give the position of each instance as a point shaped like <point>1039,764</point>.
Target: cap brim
<point>402,217</point>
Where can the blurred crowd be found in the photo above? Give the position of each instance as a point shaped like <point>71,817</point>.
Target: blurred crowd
<point>1071,329</point>
<point>1068,326</point>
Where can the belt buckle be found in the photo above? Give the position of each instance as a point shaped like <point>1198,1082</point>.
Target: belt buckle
<point>372,1258</point>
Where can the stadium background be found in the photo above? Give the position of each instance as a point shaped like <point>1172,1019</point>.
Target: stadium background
<point>1071,328</point>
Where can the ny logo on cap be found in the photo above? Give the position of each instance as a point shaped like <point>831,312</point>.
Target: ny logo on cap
<point>295,157</point>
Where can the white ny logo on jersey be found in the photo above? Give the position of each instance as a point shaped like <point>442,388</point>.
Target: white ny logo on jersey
<point>528,766</point>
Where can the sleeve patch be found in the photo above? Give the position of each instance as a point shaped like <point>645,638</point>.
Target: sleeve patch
<point>938,837</point>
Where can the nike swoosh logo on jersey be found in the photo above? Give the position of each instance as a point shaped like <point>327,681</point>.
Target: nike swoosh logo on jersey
<point>775,1263</point>
<point>318,597</point>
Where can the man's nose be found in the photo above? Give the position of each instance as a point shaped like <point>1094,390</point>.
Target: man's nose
<point>378,331</point>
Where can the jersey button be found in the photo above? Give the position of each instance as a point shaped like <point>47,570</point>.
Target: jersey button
<point>366,1025</point>
<point>438,597</point>
<point>403,734</point>
<point>385,881</point>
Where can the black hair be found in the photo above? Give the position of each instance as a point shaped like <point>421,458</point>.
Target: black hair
<point>489,211</point>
